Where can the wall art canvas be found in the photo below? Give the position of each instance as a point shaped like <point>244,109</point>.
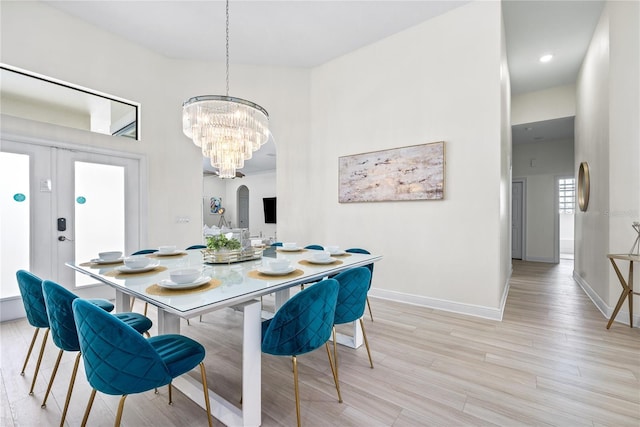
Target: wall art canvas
<point>215,204</point>
<point>407,173</point>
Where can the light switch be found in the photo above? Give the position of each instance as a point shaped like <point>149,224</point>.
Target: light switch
<point>45,186</point>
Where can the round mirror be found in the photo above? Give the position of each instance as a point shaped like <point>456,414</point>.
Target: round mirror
<point>583,186</point>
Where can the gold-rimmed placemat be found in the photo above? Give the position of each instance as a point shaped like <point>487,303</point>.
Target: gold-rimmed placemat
<point>165,292</point>
<point>341,255</point>
<point>121,275</point>
<point>291,252</point>
<point>166,256</point>
<point>313,264</point>
<point>255,274</point>
<point>92,264</point>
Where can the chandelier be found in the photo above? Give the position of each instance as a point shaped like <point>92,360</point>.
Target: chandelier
<point>227,129</point>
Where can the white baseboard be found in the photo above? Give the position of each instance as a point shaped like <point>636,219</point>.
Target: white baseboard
<point>623,315</point>
<point>11,308</point>
<point>490,313</point>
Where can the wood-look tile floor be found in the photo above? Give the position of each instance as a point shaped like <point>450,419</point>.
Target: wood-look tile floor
<point>551,361</point>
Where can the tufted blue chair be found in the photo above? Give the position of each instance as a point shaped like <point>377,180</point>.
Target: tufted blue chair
<point>65,336</point>
<point>277,244</point>
<point>370,267</point>
<point>118,361</point>
<point>30,287</point>
<point>197,247</point>
<point>315,247</point>
<point>354,284</point>
<point>301,325</point>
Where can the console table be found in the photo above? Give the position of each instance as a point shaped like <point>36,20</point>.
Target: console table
<point>627,285</point>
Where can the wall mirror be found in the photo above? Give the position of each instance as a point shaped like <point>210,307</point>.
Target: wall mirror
<point>583,186</point>
<point>40,98</point>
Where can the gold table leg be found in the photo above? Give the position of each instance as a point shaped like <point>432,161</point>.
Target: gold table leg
<point>627,291</point>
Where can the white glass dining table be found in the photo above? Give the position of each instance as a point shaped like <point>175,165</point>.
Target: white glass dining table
<point>239,285</point>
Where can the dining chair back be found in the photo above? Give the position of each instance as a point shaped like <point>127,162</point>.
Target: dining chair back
<point>301,325</point>
<point>118,361</point>
<point>197,247</point>
<point>30,287</point>
<point>370,267</point>
<point>350,305</point>
<point>278,244</point>
<point>59,301</point>
<point>315,247</point>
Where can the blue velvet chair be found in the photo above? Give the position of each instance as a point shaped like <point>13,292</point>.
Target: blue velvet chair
<point>118,361</point>
<point>197,247</point>
<point>315,247</point>
<point>64,333</point>
<point>352,298</point>
<point>301,325</point>
<point>30,287</point>
<point>370,267</point>
<point>276,244</point>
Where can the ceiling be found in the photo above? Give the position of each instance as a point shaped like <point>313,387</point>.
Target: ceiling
<point>309,33</point>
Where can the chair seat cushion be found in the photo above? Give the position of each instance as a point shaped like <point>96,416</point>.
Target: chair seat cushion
<point>103,304</point>
<point>137,321</point>
<point>179,353</point>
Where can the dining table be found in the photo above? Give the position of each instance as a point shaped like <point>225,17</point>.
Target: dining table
<point>239,285</point>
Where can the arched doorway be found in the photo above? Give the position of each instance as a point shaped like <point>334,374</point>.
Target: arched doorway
<point>243,206</point>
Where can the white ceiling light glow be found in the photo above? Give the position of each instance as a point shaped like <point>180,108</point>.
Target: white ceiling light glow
<point>546,58</point>
<point>227,129</point>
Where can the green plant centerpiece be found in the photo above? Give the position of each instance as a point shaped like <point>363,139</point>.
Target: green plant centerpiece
<point>222,242</point>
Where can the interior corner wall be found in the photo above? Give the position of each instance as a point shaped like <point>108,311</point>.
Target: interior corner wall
<point>547,104</point>
<point>437,81</point>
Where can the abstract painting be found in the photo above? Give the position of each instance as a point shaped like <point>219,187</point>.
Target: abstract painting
<point>407,173</point>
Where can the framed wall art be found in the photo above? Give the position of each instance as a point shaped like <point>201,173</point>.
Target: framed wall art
<point>407,173</point>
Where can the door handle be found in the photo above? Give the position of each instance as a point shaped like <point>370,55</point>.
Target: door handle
<point>63,238</point>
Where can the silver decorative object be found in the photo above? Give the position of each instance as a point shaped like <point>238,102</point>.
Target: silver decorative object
<point>635,249</point>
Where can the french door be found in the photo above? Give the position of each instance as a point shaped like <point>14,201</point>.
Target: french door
<point>59,205</point>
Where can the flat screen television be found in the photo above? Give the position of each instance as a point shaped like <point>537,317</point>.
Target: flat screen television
<point>269,205</point>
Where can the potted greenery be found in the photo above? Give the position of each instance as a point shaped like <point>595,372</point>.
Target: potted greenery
<point>223,243</point>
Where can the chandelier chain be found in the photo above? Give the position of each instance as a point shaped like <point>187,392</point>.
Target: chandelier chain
<point>227,47</point>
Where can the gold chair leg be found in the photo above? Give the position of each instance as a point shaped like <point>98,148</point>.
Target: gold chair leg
<point>26,359</point>
<point>120,409</point>
<point>334,371</point>
<point>71,383</point>
<point>295,385</point>
<point>35,374</point>
<point>170,396</point>
<point>133,300</point>
<point>53,376</point>
<point>369,307</point>
<point>85,418</point>
<point>366,342</point>
<point>188,323</point>
<point>205,389</point>
<point>146,307</point>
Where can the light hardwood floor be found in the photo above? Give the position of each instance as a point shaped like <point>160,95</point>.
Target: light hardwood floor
<point>551,361</point>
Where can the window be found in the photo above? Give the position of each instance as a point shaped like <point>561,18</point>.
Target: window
<point>567,195</point>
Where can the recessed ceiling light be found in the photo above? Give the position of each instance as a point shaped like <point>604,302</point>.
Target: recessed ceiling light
<point>546,58</point>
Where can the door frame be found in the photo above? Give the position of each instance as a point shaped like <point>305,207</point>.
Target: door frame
<point>46,135</point>
<point>524,215</point>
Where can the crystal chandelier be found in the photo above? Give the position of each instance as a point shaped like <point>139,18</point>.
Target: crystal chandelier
<point>227,129</point>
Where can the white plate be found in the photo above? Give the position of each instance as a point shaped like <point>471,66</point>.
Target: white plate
<point>169,253</point>
<point>173,285</point>
<point>324,261</point>
<point>282,248</point>
<point>338,253</point>
<point>125,269</point>
<point>106,261</point>
<point>270,272</point>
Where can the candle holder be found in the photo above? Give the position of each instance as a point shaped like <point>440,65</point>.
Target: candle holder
<point>635,249</point>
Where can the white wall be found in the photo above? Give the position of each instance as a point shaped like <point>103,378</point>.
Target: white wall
<point>552,103</point>
<point>607,137</point>
<point>437,81</point>
<point>36,111</point>
<point>259,185</point>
